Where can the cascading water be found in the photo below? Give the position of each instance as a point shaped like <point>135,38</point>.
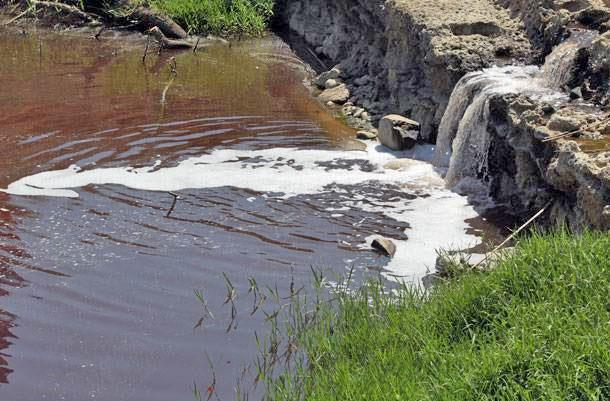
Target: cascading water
<point>464,140</point>
<point>557,69</point>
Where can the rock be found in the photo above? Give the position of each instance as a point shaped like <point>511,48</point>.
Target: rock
<point>334,73</point>
<point>562,123</point>
<point>348,110</point>
<point>331,83</point>
<point>548,108</point>
<point>151,19</point>
<point>576,93</point>
<point>362,80</point>
<point>156,33</point>
<point>384,246</point>
<point>398,132</point>
<point>338,95</point>
<point>366,135</point>
<point>402,164</point>
<point>604,128</point>
<point>446,262</point>
<point>330,104</point>
<point>358,112</point>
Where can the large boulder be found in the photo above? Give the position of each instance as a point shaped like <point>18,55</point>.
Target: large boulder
<point>398,132</point>
<point>338,94</point>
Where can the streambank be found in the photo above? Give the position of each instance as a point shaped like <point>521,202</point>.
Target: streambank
<point>408,57</point>
<point>516,332</point>
<point>93,14</point>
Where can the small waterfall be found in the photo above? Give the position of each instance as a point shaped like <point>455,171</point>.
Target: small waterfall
<point>558,66</point>
<point>463,140</point>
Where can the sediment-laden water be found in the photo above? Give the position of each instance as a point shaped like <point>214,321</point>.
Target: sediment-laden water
<point>97,280</point>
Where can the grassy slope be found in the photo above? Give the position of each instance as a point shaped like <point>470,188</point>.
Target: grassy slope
<point>225,17</point>
<point>536,328</point>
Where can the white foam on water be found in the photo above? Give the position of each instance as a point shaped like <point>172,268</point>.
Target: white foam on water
<point>436,221</point>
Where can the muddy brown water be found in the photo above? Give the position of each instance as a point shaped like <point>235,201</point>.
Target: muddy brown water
<point>96,292</point>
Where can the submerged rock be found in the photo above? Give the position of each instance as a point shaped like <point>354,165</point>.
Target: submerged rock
<point>366,135</point>
<point>385,246</point>
<point>398,132</point>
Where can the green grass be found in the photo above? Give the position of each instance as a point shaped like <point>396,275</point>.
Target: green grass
<point>535,328</point>
<point>220,17</point>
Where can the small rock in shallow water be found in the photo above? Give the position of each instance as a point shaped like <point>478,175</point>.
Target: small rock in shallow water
<point>398,132</point>
<point>384,246</point>
<point>366,135</point>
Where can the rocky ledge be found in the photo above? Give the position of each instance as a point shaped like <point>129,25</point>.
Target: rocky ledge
<point>406,57</point>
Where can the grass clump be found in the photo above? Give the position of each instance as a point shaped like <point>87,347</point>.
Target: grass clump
<point>220,17</point>
<point>537,327</point>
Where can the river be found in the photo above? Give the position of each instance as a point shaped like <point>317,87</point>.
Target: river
<point>98,269</point>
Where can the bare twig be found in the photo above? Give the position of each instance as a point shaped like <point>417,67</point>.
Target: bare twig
<point>164,93</point>
<point>171,209</point>
<point>63,7</point>
<point>578,131</point>
<point>40,51</point>
<point>20,15</point>
<point>322,63</point>
<point>145,50</point>
<point>513,235</point>
<point>196,45</point>
<point>173,67</point>
<point>99,33</point>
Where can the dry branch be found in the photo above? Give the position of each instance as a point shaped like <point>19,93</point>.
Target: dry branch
<point>64,8</point>
<point>513,235</point>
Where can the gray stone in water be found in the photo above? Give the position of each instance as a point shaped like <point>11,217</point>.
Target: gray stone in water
<point>398,132</point>
<point>338,95</point>
<point>384,246</point>
<point>334,73</point>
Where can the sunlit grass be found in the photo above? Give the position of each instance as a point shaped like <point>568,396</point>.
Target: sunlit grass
<point>224,17</point>
<point>537,327</point>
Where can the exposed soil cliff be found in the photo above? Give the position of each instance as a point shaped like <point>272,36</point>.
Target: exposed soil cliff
<point>407,57</point>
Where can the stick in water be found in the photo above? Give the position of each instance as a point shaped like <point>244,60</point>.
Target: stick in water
<point>196,45</point>
<point>171,209</point>
<point>513,235</point>
<point>145,50</point>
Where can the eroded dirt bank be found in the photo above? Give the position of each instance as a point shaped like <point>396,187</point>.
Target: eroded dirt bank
<point>407,57</point>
